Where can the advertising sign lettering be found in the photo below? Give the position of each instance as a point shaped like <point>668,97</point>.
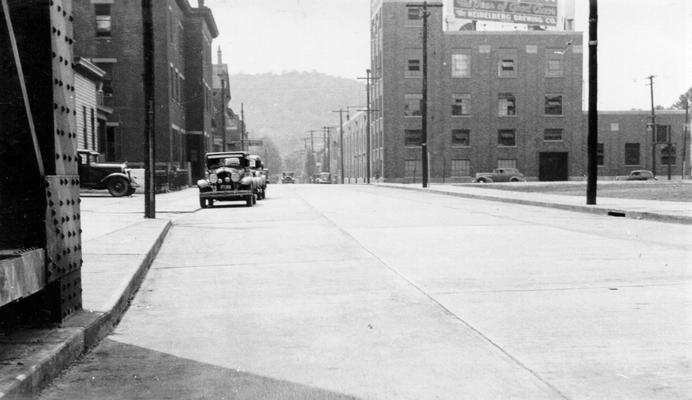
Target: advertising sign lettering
<point>532,12</point>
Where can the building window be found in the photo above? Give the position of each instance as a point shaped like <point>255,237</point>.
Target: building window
<point>507,104</point>
<point>412,105</point>
<point>413,13</point>
<point>461,168</point>
<point>600,158</point>
<point>614,127</point>
<point>461,137</point>
<point>412,168</point>
<point>553,104</point>
<point>93,129</point>
<point>413,68</point>
<point>662,133</point>
<point>107,80</point>
<point>507,163</point>
<point>460,105</point>
<point>85,130</point>
<point>103,20</point>
<point>461,66</point>
<point>552,135</point>
<point>507,67</point>
<point>554,64</point>
<point>668,154</point>
<point>413,137</point>
<point>632,153</point>
<point>506,137</point>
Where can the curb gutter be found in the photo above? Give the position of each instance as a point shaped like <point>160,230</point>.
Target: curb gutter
<point>598,210</point>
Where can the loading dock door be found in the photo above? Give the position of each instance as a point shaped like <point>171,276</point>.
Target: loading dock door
<point>552,166</point>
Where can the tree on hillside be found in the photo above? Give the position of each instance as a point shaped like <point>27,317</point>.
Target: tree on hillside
<point>684,100</point>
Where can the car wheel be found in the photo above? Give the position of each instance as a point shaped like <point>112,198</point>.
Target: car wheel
<point>254,199</point>
<point>210,202</point>
<point>202,202</point>
<point>248,200</point>
<point>131,191</point>
<point>118,187</point>
<point>514,180</point>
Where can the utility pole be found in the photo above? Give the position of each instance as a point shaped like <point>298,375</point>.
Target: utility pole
<point>242,128</point>
<point>149,138</point>
<point>654,128</point>
<point>328,147</point>
<point>341,142</point>
<point>592,143</point>
<point>685,132</point>
<point>223,111</point>
<point>424,14</point>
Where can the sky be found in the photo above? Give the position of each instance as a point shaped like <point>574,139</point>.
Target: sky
<point>637,38</point>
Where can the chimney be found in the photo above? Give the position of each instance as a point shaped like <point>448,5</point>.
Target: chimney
<point>200,3</point>
<point>218,56</point>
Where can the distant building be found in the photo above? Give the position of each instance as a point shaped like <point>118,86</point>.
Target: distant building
<point>222,96</point>
<point>109,34</point>
<point>355,148</point>
<point>626,142</point>
<point>495,99</point>
<point>91,114</point>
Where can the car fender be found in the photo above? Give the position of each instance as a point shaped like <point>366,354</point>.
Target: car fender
<point>105,180</point>
<point>203,184</point>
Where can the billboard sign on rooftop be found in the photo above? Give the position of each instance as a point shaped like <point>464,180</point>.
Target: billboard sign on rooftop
<point>530,12</point>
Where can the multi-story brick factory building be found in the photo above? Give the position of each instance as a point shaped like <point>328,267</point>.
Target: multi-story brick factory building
<point>495,98</point>
<point>109,34</point>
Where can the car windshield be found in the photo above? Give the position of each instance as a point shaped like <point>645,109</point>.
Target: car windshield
<point>218,162</point>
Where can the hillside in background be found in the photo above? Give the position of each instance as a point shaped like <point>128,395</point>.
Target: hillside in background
<point>284,106</point>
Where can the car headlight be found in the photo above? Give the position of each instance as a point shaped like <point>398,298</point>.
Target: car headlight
<point>213,178</point>
<point>235,177</point>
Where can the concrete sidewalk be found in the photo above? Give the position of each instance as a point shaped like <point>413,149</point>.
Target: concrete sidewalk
<point>119,245</point>
<point>663,211</point>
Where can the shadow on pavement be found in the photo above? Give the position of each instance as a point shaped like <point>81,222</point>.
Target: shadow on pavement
<point>116,370</point>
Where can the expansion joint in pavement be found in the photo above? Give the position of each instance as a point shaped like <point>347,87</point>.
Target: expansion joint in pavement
<point>444,309</point>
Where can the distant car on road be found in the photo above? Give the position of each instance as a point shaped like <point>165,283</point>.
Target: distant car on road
<point>288,177</point>
<point>229,177</point>
<point>323,178</point>
<point>500,175</point>
<point>114,177</point>
<point>637,175</point>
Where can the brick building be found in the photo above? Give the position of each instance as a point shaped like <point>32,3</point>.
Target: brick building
<point>496,99</point>
<point>626,142</point>
<point>109,34</point>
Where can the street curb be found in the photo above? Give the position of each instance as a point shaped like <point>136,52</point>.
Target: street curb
<point>85,328</point>
<point>597,210</point>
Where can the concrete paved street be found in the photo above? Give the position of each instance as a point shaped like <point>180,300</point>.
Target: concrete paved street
<point>340,292</point>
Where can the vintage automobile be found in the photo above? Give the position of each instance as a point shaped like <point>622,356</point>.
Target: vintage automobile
<point>637,175</point>
<point>323,178</point>
<point>229,177</point>
<point>500,175</point>
<point>114,177</point>
<point>257,168</point>
<point>288,177</point>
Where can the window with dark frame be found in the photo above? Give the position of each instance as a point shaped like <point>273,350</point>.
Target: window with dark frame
<point>413,105</point>
<point>85,129</point>
<point>553,104</point>
<point>507,67</point>
<point>460,104</point>
<point>413,137</point>
<point>413,13</point>
<point>600,154</point>
<point>632,153</point>
<point>93,129</point>
<point>552,135</point>
<point>414,67</point>
<point>103,20</point>
<point>507,104</point>
<point>461,137</point>
<point>506,137</point>
<point>668,154</point>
